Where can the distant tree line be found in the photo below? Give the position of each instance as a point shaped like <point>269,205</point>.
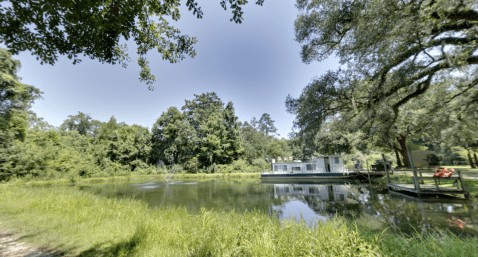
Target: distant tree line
<point>205,135</point>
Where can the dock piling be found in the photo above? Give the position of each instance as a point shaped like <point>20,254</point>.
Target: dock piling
<point>386,170</point>
<point>415,177</point>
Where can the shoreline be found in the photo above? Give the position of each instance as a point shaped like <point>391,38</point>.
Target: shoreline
<point>80,223</point>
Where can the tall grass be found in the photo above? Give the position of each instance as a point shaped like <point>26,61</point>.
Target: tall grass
<point>79,180</point>
<point>84,224</point>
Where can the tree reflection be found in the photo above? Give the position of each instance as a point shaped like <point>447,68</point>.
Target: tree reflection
<point>372,206</point>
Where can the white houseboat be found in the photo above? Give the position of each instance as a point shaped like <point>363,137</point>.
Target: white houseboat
<point>324,167</point>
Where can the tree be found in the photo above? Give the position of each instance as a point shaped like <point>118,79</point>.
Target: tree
<point>231,143</point>
<point>174,140</point>
<point>15,100</point>
<point>106,132</point>
<point>94,29</point>
<point>395,51</point>
<point>255,141</point>
<point>81,123</point>
<point>131,145</point>
<point>198,110</point>
<point>278,148</point>
<point>15,97</point>
<point>267,124</point>
<point>219,142</point>
<point>250,140</point>
<point>38,123</point>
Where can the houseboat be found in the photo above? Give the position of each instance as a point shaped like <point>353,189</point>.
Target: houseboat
<point>324,167</point>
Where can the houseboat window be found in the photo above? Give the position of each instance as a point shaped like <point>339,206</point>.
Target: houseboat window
<point>311,166</point>
<point>280,167</point>
<point>312,190</point>
<point>336,160</point>
<point>295,168</point>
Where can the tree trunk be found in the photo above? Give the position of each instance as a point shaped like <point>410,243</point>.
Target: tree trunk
<point>399,162</point>
<point>402,141</point>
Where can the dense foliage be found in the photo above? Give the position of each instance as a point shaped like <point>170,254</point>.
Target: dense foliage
<point>95,28</point>
<point>409,73</point>
<point>204,136</point>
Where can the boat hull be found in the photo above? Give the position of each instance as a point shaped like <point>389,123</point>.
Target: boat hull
<point>307,176</point>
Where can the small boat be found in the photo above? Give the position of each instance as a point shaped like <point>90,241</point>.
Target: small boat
<point>324,167</point>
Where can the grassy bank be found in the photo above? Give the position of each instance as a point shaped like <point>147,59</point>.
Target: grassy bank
<point>84,224</point>
<point>130,177</point>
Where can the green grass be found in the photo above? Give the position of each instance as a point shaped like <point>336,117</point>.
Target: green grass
<point>79,180</point>
<point>463,168</point>
<point>80,223</point>
<point>84,224</point>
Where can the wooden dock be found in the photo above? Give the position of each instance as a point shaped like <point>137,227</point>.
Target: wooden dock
<point>419,187</point>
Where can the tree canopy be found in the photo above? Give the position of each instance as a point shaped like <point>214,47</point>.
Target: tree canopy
<point>399,49</point>
<point>408,67</point>
<point>51,28</point>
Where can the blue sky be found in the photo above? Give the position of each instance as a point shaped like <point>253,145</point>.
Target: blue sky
<point>255,65</point>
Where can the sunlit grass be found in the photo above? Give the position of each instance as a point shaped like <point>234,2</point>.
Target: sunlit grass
<point>80,180</point>
<point>81,223</point>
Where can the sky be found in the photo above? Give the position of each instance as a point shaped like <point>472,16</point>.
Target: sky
<point>255,65</point>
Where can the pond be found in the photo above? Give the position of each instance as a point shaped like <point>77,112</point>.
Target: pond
<point>369,205</point>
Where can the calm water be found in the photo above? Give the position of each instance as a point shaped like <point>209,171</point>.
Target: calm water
<point>368,205</point>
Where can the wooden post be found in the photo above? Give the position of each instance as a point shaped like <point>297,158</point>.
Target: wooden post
<point>470,210</point>
<point>470,160</point>
<point>467,195</point>
<point>368,170</point>
<point>415,177</point>
<point>476,159</point>
<point>386,170</point>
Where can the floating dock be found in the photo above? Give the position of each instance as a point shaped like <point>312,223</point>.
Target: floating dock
<point>419,188</point>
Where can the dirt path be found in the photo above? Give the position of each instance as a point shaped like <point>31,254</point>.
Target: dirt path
<point>10,246</point>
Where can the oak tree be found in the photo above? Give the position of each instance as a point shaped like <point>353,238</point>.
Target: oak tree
<point>94,28</point>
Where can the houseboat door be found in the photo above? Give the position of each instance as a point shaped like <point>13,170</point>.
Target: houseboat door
<point>327,164</point>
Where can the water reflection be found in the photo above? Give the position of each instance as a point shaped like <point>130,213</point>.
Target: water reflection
<point>372,206</point>
<point>368,205</point>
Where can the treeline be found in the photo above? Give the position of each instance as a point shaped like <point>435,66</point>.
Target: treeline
<point>205,135</point>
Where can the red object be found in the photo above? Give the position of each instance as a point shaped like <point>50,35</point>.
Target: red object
<point>440,172</point>
<point>449,173</point>
<point>459,222</point>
